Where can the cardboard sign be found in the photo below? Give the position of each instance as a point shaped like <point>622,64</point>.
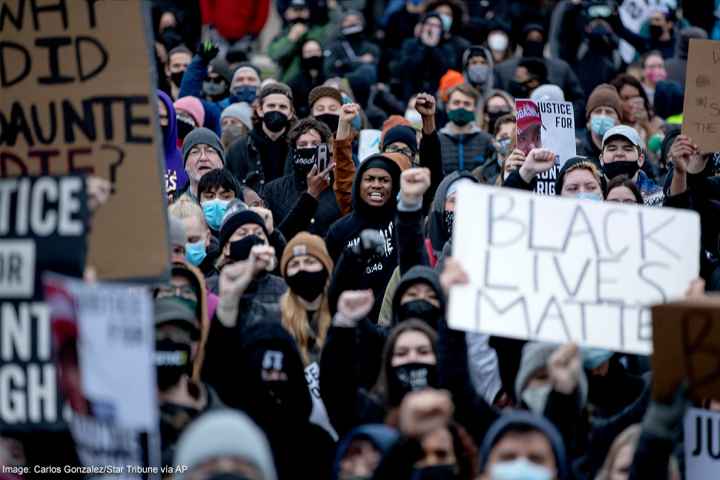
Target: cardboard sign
<point>369,143</point>
<point>106,333</point>
<point>558,269</point>
<point>43,223</point>
<point>77,96</point>
<point>687,348</point>
<point>548,125</point>
<point>701,110</point>
<point>702,444</point>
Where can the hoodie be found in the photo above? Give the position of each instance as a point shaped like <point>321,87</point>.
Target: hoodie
<point>175,176</point>
<point>281,408</point>
<point>524,421</point>
<point>366,271</point>
<point>381,436</point>
<point>436,218</point>
<point>474,51</point>
<point>417,274</point>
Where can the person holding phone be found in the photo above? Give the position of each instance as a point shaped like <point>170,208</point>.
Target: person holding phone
<point>303,199</point>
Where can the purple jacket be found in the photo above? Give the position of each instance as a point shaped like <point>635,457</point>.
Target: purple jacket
<point>175,176</point>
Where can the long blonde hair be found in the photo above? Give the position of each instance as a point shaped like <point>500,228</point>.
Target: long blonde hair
<point>295,321</point>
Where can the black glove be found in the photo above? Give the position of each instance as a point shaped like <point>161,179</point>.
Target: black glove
<point>208,51</point>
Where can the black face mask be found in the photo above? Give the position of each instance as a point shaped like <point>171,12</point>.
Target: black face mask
<point>420,309</point>
<point>172,360</point>
<point>240,249</point>
<point>656,32</point>
<point>493,118</point>
<point>533,48</point>
<point>176,77</point>
<point>312,63</point>
<point>329,119</point>
<point>519,89</point>
<point>275,121</point>
<point>183,128</point>
<point>308,285</point>
<point>449,220</point>
<point>436,472</point>
<point>410,377</point>
<point>625,167</point>
<point>304,159</point>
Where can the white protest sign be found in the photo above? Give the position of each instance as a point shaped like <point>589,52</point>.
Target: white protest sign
<point>558,269</point>
<point>319,414</point>
<point>558,132</point>
<point>369,143</point>
<point>702,444</point>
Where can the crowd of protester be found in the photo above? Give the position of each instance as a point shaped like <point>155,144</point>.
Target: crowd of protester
<point>289,250</point>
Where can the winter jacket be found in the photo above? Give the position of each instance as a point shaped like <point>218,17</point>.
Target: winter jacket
<point>585,147</point>
<point>343,56</point>
<point>465,151</point>
<point>353,272</point>
<point>301,85</point>
<point>344,174</point>
<point>232,19</point>
<point>415,76</point>
<point>260,301</point>
<point>281,409</point>
<point>295,210</point>
<point>255,159</point>
<point>192,86</point>
<point>176,178</point>
<point>286,53</point>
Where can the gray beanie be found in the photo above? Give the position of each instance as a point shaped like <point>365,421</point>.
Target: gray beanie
<point>240,110</point>
<point>535,356</point>
<point>199,136</point>
<point>178,236</point>
<point>224,433</point>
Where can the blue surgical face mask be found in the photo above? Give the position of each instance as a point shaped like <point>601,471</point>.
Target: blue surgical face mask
<point>504,147</point>
<point>214,211</point>
<point>195,252</point>
<point>519,469</point>
<point>244,93</point>
<point>600,124</point>
<point>595,196</point>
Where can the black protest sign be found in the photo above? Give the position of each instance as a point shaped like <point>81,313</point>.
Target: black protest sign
<point>78,97</point>
<point>686,346</point>
<point>43,225</point>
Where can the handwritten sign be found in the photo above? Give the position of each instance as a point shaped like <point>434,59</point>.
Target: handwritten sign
<point>548,125</point>
<point>701,110</point>
<point>557,269</point>
<point>43,224</point>
<point>702,444</point>
<point>687,346</point>
<point>77,97</point>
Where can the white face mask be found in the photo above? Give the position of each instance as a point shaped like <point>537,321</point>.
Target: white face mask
<point>536,398</point>
<point>498,42</point>
<point>519,469</point>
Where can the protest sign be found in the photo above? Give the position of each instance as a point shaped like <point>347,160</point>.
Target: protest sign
<point>701,109</point>
<point>548,125</point>
<point>77,96</point>
<point>559,269</point>
<point>369,143</point>
<point>686,342</point>
<point>702,444</point>
<point>43,223</point>
<point>319,414</point>
<point>105,358</point>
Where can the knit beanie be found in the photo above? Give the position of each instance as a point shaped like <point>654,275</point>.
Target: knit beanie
<point>201,136</point>
<point>401,133</point>
<point>224,433</point>
<point>604,95</point>
<point>305,243</point>
<point>324,91</point>
<point>193,107</point>
<point>236,220</point>
<point>241,111</point>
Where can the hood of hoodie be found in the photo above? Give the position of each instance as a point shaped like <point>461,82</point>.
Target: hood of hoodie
<point>381,436</point>
<point>489,82</point>
<point>169,134</point>
<point>269,345</point>
<point>417,274</point>
<point>436,218</point>
<point>683,40</point>
<point>387,211</point>
<point>515,419</point>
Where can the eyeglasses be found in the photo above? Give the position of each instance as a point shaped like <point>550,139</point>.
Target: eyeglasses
<point>404,150</point>
<point>203,151</point>
<point>184,291</point>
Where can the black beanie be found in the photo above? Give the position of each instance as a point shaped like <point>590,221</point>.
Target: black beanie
<point>401,133</point>
<point>237,220</point>
<point>205,136</point>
